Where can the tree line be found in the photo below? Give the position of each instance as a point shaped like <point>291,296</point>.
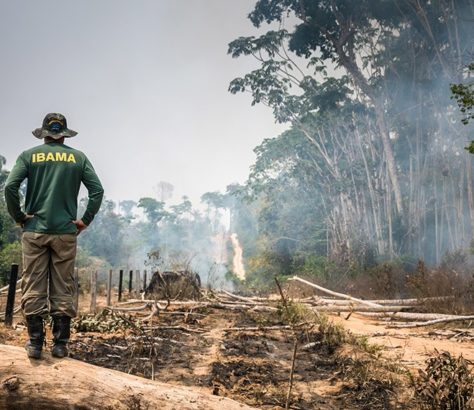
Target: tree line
<point>148,233</point>
<point>373,166</point>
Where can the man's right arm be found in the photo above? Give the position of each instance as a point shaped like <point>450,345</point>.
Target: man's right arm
<point>12,186</point>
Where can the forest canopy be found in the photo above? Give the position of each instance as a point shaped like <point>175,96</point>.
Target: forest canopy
<point>373,166</point>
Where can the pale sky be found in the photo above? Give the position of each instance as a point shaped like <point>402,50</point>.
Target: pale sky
<point>143,82</point>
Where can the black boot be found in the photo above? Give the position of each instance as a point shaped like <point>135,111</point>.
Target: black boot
<point>61,334</point>
<point>36,333</point>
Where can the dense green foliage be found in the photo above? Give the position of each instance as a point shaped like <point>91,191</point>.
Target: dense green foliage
<point>9,233</point>
<point>464,95</point>
<point>373,165</point>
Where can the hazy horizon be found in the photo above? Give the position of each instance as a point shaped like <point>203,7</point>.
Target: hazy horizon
<point>145,87</point>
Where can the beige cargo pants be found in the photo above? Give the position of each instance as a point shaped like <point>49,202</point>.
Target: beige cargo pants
<point>47,284</point>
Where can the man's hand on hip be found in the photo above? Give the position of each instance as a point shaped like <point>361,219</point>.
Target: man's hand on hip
<point>79,225</point>
<point>26,219</point>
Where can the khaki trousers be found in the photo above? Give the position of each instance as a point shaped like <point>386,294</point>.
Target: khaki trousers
<point>47,283</point>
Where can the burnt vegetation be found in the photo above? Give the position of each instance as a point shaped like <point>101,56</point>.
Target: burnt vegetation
<point>248,366</point>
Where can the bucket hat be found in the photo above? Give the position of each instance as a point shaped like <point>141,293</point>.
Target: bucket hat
<point>54,126</point>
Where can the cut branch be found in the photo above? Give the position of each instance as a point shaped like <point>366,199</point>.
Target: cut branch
<point>257,328</point>
<point>433,322</point>
<point>330,292</point>
<point>408,315</point>
<point>359,308</point>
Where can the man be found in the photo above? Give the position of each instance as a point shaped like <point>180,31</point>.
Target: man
<point>50,227</point>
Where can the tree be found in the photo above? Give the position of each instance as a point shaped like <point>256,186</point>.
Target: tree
<point>329,31</point>
<point>127,207</point>
<point>104,238</point>
<point>185,207</point>
<point>164,190</point>
<point>154,210</point>
<point>463,93</point>
<point>9,233</point>
<point>366,85</point>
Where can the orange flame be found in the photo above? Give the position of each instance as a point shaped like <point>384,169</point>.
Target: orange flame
<point>237,262</point>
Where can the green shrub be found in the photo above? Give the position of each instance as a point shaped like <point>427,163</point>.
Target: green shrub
<point>10,254</point>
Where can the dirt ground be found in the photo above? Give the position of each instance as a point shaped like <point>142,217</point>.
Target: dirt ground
<point>410,347</point>
<point>196,348</point>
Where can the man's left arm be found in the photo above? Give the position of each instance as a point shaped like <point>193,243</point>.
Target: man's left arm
<point>12,186</point>
<point>96,193</point>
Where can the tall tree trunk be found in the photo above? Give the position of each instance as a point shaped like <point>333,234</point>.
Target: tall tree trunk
<point>470,197</point>
<point>373,205</point>
<point>344,47</point>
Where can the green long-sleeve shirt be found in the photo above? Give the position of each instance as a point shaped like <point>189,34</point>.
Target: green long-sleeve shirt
<point>54,172</point>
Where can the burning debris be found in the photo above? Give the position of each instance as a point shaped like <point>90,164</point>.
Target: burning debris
<point>237,262</point>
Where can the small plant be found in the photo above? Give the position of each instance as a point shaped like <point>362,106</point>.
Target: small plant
<point>333,334</point>
<point>295,313</point>
<point>103,322</point>
<point>447,383</point>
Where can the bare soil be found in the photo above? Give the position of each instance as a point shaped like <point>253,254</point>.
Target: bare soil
<point>412,347</point>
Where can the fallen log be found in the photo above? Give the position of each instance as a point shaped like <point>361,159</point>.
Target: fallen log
<point>130,309</point>
<point>330,292</point>
<point>259,307</point>
<point>257,328</point>
<point>193,304</point>
<point>407,315</point>
<point>171,302</point>
<point>241,307</point>
<point>66,383</point>
<point>243,298</point>
<point>412,301</point>
<point>239,302</point>
<point>181,328</point>
<point>360,308</point>
<point>391,302</point>
<point>433,322</point>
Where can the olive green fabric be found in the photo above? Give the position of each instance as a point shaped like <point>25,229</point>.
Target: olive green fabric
<point>54,172</point>
<point>48,284</point>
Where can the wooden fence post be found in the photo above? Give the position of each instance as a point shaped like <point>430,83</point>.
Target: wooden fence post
<point>138,281</point>
<point>93,291</point>
<point>11,295</point>
<point>109,288</point>
<point>144,280</point>
<point>130,280</point>
<point>120,285</point>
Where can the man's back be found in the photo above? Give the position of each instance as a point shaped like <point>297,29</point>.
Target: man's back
<point>49,242</point>
<point>54,172</point>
